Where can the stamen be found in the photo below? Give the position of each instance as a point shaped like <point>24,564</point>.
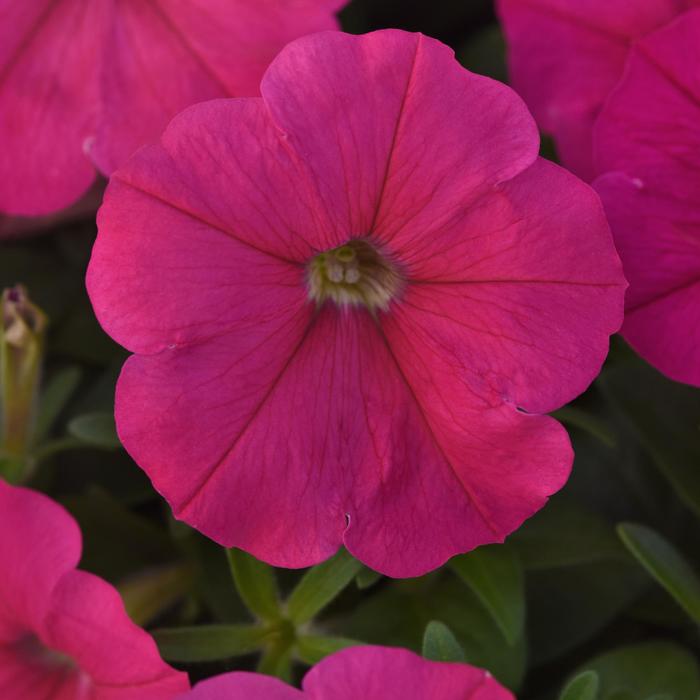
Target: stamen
<point>354,273</point>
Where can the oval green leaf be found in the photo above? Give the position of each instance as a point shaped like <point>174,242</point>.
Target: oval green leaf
<point>439,644</point>
<point>665,563</point>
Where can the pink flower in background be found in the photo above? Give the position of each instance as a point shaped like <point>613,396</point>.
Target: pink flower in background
<point>362,673</point>
<point>83,85</point>
<point>64,634</point>
<point>565,56</point>
<point>649,137</point>
<point>348,300</point>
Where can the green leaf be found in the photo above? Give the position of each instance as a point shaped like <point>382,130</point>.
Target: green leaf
<point>578,418</point>
<point>643,670</point>
<point>579,577</point>
<point>209,642</point>
<point>312,648</point>
<point>397,614</point>
<point>495,575</point>
<point>366,578</point>
<point>148,594</point>
<point>565,535</point>
<point>54,398</point>
<point>584,686</point>
<point>665,416</point>
<point>116,541</point>
<point>256,584</point>
<point>663,561</point>
<point>439,644</point>
<point>95,429</point>
<point>320,585</point>
<point>277,661</point>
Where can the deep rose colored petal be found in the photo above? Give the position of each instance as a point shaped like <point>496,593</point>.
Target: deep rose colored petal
<point>287,428</point>
<point>650,131</point>
<point>64,634</point>
<point>332,434</point>
<point>128,68</point>
<point>246,686</point>
<point>87,621</point>
<point>363,147</point>
<point>48,51</point>
<point>522,292</point>
<point>222,262</point>
<point>39,542</point>
<point>565,57</point>
<point>21,679</point>
<point>362,673</point>
<point>376,673</point>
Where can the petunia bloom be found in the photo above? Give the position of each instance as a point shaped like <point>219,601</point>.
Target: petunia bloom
<point>348,301</point>
<point>648,136</point>
<point>83,85</point>
<point>565,56</point>
<point>362,673</point>
<point>64,634</point>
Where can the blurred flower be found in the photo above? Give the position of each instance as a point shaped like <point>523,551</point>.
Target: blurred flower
<point>566,56</point>
<point>64,633</point>
<point>341,295</point>
<point>83,85</point>
<point>362,673</point>
<point>648,136</point>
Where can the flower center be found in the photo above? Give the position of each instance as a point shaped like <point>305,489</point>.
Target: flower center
<point>355,273</point>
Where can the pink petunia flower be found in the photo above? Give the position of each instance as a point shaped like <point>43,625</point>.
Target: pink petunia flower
<point>83,85</point>
<point>64,634</point>
<point>565,56</point>
<point>341,295</point>
<point>362,673</point>
<point>648,135</point>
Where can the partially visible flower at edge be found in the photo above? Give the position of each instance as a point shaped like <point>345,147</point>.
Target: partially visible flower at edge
<point>349,300</point>
<point>83,85</point>
<point>565,57</point>
<point>64,633</point>
<point>362,673</point>
<point>647,141</point>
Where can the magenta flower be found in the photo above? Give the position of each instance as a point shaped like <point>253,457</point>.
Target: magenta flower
<point>565,56</point>
<point>340,295</point>
<point>64,633</point>
<point>83,85</point>
<point>649,136</point>
<point>362,673</point>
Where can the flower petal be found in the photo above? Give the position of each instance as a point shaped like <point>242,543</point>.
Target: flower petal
<point>522,292</point>
<point>39,543</point>
<point>377,673</point>
<point>251,686</point>
<point>176,261</point>
<point>652,202</point>
<point>371,151</point>
<point>87,621</point>
<point>48,93</point>
<point>566,57</point>
<point>319,427</point>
